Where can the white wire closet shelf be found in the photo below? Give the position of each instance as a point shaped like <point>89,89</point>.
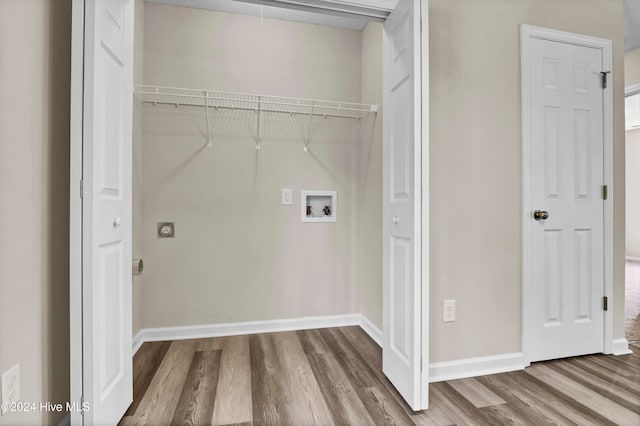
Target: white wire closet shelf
<point>211,100</point>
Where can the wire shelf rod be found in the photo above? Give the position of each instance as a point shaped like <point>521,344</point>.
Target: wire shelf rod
<point>188,104</point>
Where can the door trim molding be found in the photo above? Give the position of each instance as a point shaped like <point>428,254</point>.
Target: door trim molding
<point>527,33</point>
<point>75,210</point>
<point>426,212</point>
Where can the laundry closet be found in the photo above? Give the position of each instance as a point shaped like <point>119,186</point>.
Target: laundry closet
<point>257,165</point>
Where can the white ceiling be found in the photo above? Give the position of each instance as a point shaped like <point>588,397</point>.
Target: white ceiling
<point>631,24</point>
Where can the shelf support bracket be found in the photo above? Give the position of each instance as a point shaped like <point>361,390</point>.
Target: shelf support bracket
<point>206,114</point>
<point>258,124</point>
<point>306,139</point>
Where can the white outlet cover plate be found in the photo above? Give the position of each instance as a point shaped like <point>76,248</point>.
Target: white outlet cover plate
<point>287,196</point>
<point>11,386</point>
<point>449,310</point>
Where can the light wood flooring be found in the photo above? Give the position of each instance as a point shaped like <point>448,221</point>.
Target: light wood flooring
<point>334,376</point>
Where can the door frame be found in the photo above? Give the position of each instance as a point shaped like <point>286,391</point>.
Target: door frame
<point>76,167</point>
<point>527,33</point>
<point>425,197</point>
<point>75,211</point>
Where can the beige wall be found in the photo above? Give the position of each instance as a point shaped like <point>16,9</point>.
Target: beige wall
<point>239,255</point>
<point>207,49</point>
<point>369,248</point>
<point>34,200</point>
<point>138,220</point>
<point>632,77</point>
<point>476,165</point>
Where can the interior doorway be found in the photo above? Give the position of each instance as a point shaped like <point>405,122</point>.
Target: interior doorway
<point>99,168</point>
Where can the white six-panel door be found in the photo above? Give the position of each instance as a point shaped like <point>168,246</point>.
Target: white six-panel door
<point>107,170</point>
<point>567,164</point>
<point>402,211</point>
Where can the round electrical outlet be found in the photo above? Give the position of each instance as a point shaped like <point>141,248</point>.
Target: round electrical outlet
<point>166,229</point>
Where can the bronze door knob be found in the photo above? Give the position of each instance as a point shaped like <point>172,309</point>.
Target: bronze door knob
<point>541,215</point>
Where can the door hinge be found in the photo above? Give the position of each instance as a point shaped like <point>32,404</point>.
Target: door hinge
<point>603,75</point>
<point>81,189</point>
<point>605,303</point>
<point>605,192</point>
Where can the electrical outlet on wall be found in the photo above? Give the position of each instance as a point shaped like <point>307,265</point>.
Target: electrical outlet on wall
<point>10,387</point>
<point>287,196</point>
<point>449,310</point>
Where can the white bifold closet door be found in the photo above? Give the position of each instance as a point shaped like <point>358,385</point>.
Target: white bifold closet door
<point>404,354</point>
<point>107,379</point>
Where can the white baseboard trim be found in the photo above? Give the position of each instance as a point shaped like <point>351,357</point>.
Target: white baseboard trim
<point>632,259</point>
<point>138,340</point>
<point>459,369</point>
<point>620,347</point>
<point>439,371</point>
<point>370,328</point>
<point>239,328</point>
<point>472,367</point>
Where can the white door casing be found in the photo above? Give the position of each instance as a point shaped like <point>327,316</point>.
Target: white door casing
<point>564,170</point>
<point>75,210</point>
<point>403,320</point>
<point>106,210</point>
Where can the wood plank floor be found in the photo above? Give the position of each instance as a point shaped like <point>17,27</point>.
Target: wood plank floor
<point>333,376</point>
